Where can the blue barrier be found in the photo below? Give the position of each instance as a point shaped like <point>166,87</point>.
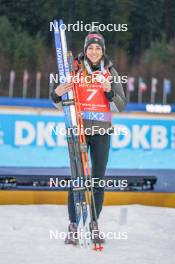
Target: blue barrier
<point>38,140</point>
<point>47,103</point>
<point>28,102</point>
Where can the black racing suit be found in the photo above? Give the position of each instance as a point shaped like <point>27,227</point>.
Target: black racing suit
<point>99,152</point>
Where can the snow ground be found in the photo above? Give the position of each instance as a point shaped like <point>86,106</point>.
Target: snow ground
<point>25,236</point>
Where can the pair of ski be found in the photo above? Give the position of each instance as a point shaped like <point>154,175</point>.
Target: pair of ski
<point>83,197</point>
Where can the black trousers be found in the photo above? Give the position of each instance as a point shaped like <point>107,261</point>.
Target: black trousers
<point>99,151</point>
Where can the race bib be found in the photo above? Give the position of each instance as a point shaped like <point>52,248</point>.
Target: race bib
<point>91,95</point>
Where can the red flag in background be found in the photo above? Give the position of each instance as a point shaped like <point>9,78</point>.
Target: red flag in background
<point>130,87</point>
<point>130,84</point>
<point>154,83</point>
<point>142,88</point>
<point>142,85</point>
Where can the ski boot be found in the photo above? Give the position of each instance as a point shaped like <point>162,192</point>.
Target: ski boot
<point>71,237</point>
<point>97,237</point>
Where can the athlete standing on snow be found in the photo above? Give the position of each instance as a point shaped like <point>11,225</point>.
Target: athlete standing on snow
<point>95,102</point>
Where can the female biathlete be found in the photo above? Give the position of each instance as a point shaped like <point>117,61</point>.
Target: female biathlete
<point>95,99</point>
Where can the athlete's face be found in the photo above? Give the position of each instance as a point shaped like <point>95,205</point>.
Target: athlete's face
<point>94,53</point>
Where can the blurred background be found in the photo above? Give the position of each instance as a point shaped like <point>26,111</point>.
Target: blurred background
<point>146,50</point>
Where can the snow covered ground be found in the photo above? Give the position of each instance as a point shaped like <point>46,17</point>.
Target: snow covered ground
<point>25,236</point>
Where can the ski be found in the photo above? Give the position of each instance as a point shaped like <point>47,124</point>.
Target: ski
<point>84,204</point>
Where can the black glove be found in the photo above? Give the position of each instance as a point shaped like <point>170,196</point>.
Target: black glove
<point>56,98</point>
<point>109,95</point>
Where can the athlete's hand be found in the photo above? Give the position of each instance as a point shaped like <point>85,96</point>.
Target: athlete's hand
<point>106,86</point>
<point>63,88</point>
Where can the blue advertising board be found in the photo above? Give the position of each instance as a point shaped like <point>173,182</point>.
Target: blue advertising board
<point>38,140</point>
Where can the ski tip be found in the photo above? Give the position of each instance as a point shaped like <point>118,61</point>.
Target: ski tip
<point>55,26</point>
<point>98,248</point>
<point>61,22</point>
